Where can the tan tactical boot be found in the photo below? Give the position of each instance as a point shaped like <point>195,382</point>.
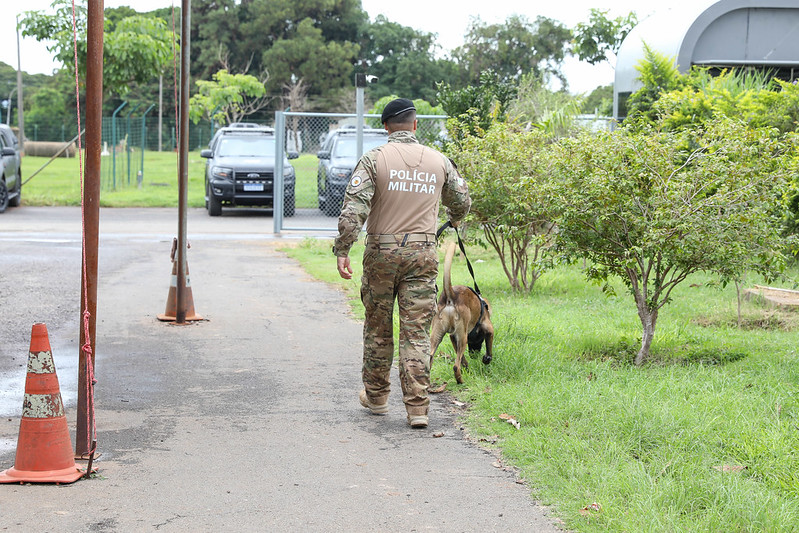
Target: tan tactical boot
<point>375,408</point>
<point>417,421</point>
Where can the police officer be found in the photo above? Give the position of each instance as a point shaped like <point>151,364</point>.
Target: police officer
<point>395,189</point>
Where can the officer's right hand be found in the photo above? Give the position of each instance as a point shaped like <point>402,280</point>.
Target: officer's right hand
<point>344,268</point>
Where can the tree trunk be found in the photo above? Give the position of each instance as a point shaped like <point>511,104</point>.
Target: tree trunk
<point>738,291</point>
<point>648,320</point>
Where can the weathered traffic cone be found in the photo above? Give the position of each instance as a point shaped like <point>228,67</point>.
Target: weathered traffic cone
<point>44,449</point>
<point>170,314</point>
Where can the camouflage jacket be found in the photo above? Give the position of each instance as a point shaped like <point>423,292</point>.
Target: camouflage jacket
<point>361,189</point>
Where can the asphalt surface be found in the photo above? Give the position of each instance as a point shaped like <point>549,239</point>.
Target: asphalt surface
<point>247,421</point>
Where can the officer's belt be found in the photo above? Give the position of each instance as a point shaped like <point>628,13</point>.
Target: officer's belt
<point>400,239</point>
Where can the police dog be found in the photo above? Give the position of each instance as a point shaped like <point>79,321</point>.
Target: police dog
<point>465,316</point>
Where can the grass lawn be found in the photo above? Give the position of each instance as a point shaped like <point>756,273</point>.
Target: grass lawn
<point>704,437</point>
<point>59,182</point>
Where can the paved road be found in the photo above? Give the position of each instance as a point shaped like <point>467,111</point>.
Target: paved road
<point>248,421</point>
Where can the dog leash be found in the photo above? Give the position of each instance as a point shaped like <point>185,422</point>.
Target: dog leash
<point>446,225</point>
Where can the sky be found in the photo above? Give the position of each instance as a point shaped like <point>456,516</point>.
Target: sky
<point>433,16</point>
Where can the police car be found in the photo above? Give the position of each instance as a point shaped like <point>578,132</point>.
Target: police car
<point>337,160</point>
<point>240,168</point>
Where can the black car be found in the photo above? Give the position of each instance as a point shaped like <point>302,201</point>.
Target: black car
<point>337,160</point>
<point>240,169</point>
<point>11,168</point>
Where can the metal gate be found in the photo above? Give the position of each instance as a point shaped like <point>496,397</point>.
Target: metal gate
<point>315,155</point>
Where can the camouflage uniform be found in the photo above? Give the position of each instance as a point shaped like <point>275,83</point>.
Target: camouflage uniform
<point>394,268</point>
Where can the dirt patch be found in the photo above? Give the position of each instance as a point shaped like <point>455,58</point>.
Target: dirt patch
<point>773,297</point>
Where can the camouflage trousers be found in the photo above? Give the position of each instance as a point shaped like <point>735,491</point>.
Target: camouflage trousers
<point>406,274</point>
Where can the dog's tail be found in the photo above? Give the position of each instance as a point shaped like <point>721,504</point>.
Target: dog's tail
<point>447,273</point>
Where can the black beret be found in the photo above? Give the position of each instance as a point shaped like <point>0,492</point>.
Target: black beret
<point>396,107</point>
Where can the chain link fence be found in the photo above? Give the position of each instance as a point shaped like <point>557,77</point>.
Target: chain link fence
<point>327,148</point>
<point>127,138</point>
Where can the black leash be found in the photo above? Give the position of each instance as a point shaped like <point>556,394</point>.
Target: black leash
<point>446,225</point>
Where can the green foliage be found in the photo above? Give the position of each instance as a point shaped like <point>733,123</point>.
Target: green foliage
<point>404,60</point>
<point>600,36</point>
<point>429,132</point>
<point>323,65</point>
<point>552,112</point>
<point>136,50</point>
<point>474,108</point>
<point>653,207</point>
<point>228,98</point>
<point>510,184</point>
<point>659,75</point>
<point>599,101</point>
<point>748,96</point>
<point>514,48</point>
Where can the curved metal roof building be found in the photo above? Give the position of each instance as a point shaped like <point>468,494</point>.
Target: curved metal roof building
<point>761,34</point>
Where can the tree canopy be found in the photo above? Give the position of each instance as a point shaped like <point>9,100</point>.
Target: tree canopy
<point>136,48</point>
<point>513,48</point>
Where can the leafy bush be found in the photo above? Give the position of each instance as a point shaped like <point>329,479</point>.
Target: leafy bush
<point>510,186</point>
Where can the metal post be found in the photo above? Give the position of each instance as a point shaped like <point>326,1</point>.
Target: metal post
<point>144,135</point>
<point>160,110</point>
<point>91,227</point>
<point>114,142</point>
<point>360,83</point>
<point>183,159</point>
<point>20,121</point>
<point>277,179</point>
<point>127,134</point>
<point>8,112</point>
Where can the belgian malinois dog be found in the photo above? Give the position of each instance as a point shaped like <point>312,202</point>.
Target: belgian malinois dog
<point>465,316</point>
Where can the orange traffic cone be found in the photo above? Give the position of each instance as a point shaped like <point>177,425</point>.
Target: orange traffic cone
<point>44,449</point>
<point>170,314</point>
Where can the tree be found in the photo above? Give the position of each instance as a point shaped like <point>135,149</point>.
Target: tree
<point>599,101</point>
<point>326,27</point>
<point>514,48</point>
<point>654,207</point>
<point>404,61</point>
<point>510,183</point>
<point>474,108</point>
<point>216,40</point>
<point>324,65</point>
<point>429,132</point>
<point>550,111</point>
<point>595,40</point>
<point>659,75</point>
<point>228,98</point>
<point>135,50</point>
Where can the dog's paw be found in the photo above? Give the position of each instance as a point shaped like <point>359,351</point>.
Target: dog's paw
<point>486,359</point>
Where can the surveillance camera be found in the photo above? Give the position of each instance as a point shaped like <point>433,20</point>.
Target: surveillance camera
<point>371,79</point>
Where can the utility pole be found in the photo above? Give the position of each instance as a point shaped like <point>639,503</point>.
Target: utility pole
<point>19,97</point>
<point>85,430</point>
<point>183,161</point>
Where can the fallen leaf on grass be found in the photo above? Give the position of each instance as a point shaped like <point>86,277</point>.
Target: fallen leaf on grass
<point>491,440</point>
<point>729,468</point>
<point>593,508</point>
<point>439,389</point>
<point>510,420</point>
<point>458,404</point>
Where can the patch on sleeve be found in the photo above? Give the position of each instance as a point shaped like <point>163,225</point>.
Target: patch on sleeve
<point>358,181</point>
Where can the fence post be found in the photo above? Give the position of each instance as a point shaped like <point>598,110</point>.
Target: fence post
<point>277,179</point>
<point>114,143</point>
<point>127,137</point>
<point>144,136</point>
